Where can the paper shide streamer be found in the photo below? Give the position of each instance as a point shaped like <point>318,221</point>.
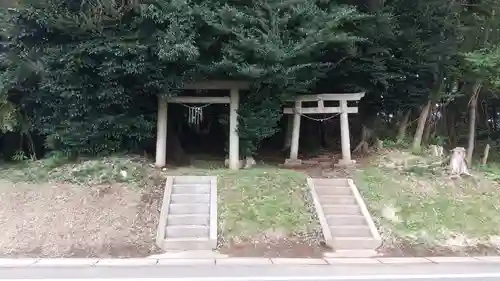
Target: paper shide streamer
<point>195,116</point>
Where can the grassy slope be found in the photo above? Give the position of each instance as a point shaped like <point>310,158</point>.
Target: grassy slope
<point>263,202</point>
<point>423,208</point>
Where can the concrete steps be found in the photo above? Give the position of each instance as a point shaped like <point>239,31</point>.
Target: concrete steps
<point>188,219</point>
<point>344,218</point>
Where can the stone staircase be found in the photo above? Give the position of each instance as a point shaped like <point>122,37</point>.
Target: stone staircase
<point>188,219</point>
<point>345,220</point>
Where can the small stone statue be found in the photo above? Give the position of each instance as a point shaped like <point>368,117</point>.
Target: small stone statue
<point>458,164</point>
<point>437,150</point>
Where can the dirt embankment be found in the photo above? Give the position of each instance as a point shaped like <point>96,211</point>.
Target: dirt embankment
<point>49,220</point>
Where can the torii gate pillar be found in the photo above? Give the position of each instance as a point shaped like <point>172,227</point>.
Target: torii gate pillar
<point>343,109</point>
<point>345,137</point>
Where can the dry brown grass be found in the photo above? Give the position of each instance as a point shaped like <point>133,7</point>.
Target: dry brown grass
<point>109,208</point>
<point>63,220</point>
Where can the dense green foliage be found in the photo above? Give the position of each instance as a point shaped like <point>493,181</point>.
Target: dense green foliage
<point>279,47</point>
<point>85,74</point>
<point>425,47</point>
<point>101,63</point>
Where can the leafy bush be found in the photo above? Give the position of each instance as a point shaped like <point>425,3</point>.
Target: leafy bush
<point>97,66</point>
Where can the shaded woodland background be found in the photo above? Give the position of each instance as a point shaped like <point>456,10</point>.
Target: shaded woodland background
<point>81,77</point>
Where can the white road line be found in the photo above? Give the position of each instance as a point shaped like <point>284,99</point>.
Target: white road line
<point>290,278</point>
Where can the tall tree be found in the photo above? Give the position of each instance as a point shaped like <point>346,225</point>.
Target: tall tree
<point>480,43</point>
<point>426,51</point>
<point>104,61</point>
<point>280,46</point>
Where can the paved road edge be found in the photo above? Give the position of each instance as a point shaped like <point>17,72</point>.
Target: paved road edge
<point>78,262</point>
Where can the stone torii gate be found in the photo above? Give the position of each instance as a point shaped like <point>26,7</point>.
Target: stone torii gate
<point>320,108</point>
<point>234,88</point>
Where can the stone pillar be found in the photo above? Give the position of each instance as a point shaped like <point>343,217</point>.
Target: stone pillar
<point>161,133</point>
<point>294,149</point>
<point>234,140</point>
<point>288,132</point>
<point>345,137</point>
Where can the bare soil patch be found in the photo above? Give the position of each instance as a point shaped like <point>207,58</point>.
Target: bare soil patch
<point>281,248</point>
<point>109,207</point>
<point>48,220</point>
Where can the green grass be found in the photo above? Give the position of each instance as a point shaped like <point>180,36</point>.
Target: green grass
<point>262,201</point>
<point>107,170</point>
<point>491,171</point>
<point>426,208</point>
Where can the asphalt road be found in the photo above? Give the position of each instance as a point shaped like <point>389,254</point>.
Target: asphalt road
<point>381,272</point>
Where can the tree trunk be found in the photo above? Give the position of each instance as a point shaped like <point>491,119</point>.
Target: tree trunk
<point>403,125</point>
<point>484,116</point>
<point>472,121</point>
<point>427,133</point>
<point>484,161</point>
<point>417,139</point>
<point>440,126</point>
<point>428,128</point>
<point>450,126</point>
<point>364,145</point>
<point>31,146</point>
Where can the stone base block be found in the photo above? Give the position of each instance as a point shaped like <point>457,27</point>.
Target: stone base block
<point>292,163</point>
<point>345,163</point>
